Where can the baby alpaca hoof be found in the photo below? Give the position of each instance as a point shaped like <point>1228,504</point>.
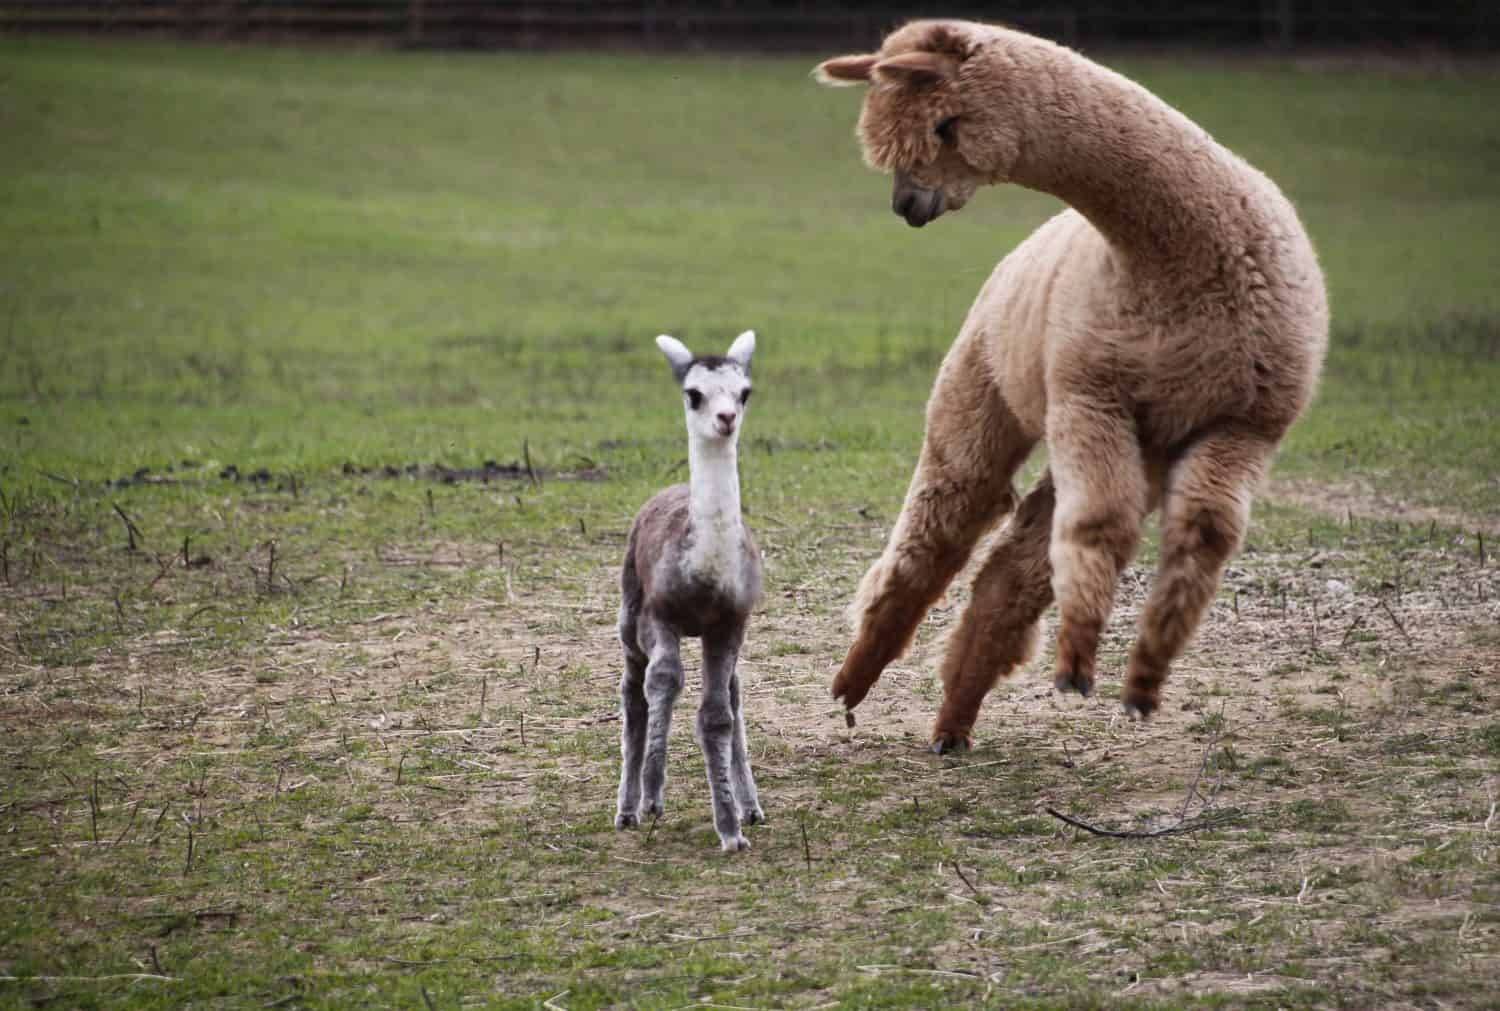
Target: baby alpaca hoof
<point>1074,681</point>
<point>948,742</point>
<point>734,843</point>
<point>754,816</point>
<point>652,809</point>
<point>627,819</point>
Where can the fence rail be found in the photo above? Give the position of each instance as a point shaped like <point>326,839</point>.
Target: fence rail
<point>761,24</point>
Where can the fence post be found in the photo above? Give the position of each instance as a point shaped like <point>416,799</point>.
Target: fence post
<point>1285,34</point>
<point>415,15</point>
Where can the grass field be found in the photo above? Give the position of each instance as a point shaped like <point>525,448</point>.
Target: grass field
<point>303,706</point>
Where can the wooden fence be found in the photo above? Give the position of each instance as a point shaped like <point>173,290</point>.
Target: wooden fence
<point>764,24</point>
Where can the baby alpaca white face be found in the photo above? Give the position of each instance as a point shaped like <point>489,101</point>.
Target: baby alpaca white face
<point>715,391</point>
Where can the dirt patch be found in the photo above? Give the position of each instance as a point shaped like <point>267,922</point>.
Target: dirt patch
<point>1359,499</point>
<point>1329,708</point>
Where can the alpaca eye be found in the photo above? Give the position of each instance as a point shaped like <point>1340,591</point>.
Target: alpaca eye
<point>695,399</point>
<point>945,129</point>
<point>745,396</point>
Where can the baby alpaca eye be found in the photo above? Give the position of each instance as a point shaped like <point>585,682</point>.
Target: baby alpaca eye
<point>945,129</point>
<point>695,398</point>
<point>745,396</point>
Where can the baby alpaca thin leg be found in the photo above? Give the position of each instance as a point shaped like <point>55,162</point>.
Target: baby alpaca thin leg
<point>1101,498</point>
<point>998,630</point>
<point>972,447</point>
<point>1204,515</point>
<point>663,685</point>
<point>744,781</point>
<point>716,733</point>
<point>633,718</point>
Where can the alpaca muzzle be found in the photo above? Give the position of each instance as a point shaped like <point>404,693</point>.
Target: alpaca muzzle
<point>914,203</point>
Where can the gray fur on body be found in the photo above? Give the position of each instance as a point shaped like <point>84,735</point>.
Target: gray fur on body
<point>676,584</point>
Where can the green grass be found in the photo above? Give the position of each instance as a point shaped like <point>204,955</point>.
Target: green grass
<point>379,705</point>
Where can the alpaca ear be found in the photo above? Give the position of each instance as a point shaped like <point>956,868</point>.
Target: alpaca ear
<point>918,68</point>
<point>842,71</point>
<point>678,356</point>
<point>742,348</point>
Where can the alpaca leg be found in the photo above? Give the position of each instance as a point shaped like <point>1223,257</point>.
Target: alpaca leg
<point>663,679</point>
<point>633,717</point>
<point>998,631</point>
<point>972,447</point>
<point>1102,494</point>
<point>1204,515</point>
<point>716,731</point>
<point>744,781</point>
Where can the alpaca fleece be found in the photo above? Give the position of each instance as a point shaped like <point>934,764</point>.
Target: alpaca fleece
<point>1161,336</point>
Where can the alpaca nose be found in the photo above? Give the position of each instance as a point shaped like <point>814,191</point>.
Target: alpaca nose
<point>726,421</point>
<point>917,205</point>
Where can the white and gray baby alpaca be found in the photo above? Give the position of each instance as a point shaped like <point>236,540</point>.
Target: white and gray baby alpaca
<point>692,569</point>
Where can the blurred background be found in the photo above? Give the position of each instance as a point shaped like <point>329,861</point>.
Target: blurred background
<point>1465,25</point>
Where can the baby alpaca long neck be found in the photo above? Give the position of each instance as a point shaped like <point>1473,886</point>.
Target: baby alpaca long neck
<point>714,509</point>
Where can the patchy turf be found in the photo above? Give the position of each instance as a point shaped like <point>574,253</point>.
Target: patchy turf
<point>327,395</point>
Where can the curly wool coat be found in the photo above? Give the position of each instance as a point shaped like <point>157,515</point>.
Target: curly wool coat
<point>1161,336</point>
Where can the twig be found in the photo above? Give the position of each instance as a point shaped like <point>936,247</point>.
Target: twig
<point>188,866</point>
<point>426,999</point>
<point>94,809</point>
<point>60,479</point>
<point>134,810</point>
<point>157,823</point>
<point>965,879</point>
<point>530,471</point>
<point>86,979</point>
<point>557,996</point>
<point>694,939</point>
<point>877,969</point>
<point>131,530</point>
<point>445,961</point>
<point>1208,751</point>
<point>206,607</point>
<point>652,828</point>
<point>1395,620</point>
<point>807,849</point>
<point>1181,828</point>
<point>399,766</point>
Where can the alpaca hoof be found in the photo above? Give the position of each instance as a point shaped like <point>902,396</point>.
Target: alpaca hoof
<point>627,819</point>
<point>1139,705</point>
<point>734,843</point>
<point>850,688</point>
<point>754,816</point>
<point>1074,681</point>
<point>653,808</point>
<point>948,743</point>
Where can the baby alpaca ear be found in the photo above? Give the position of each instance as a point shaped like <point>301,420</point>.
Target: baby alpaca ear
<point>678,356</point>
<point>917,68</point>
<point>742,348</point>
<point>842,71</point>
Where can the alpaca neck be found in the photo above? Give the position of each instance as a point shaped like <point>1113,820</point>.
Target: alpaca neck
<point>714,508</point>
<point>1148,178</point>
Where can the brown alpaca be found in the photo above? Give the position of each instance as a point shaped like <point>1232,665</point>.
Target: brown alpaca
<point>1161,336</point>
